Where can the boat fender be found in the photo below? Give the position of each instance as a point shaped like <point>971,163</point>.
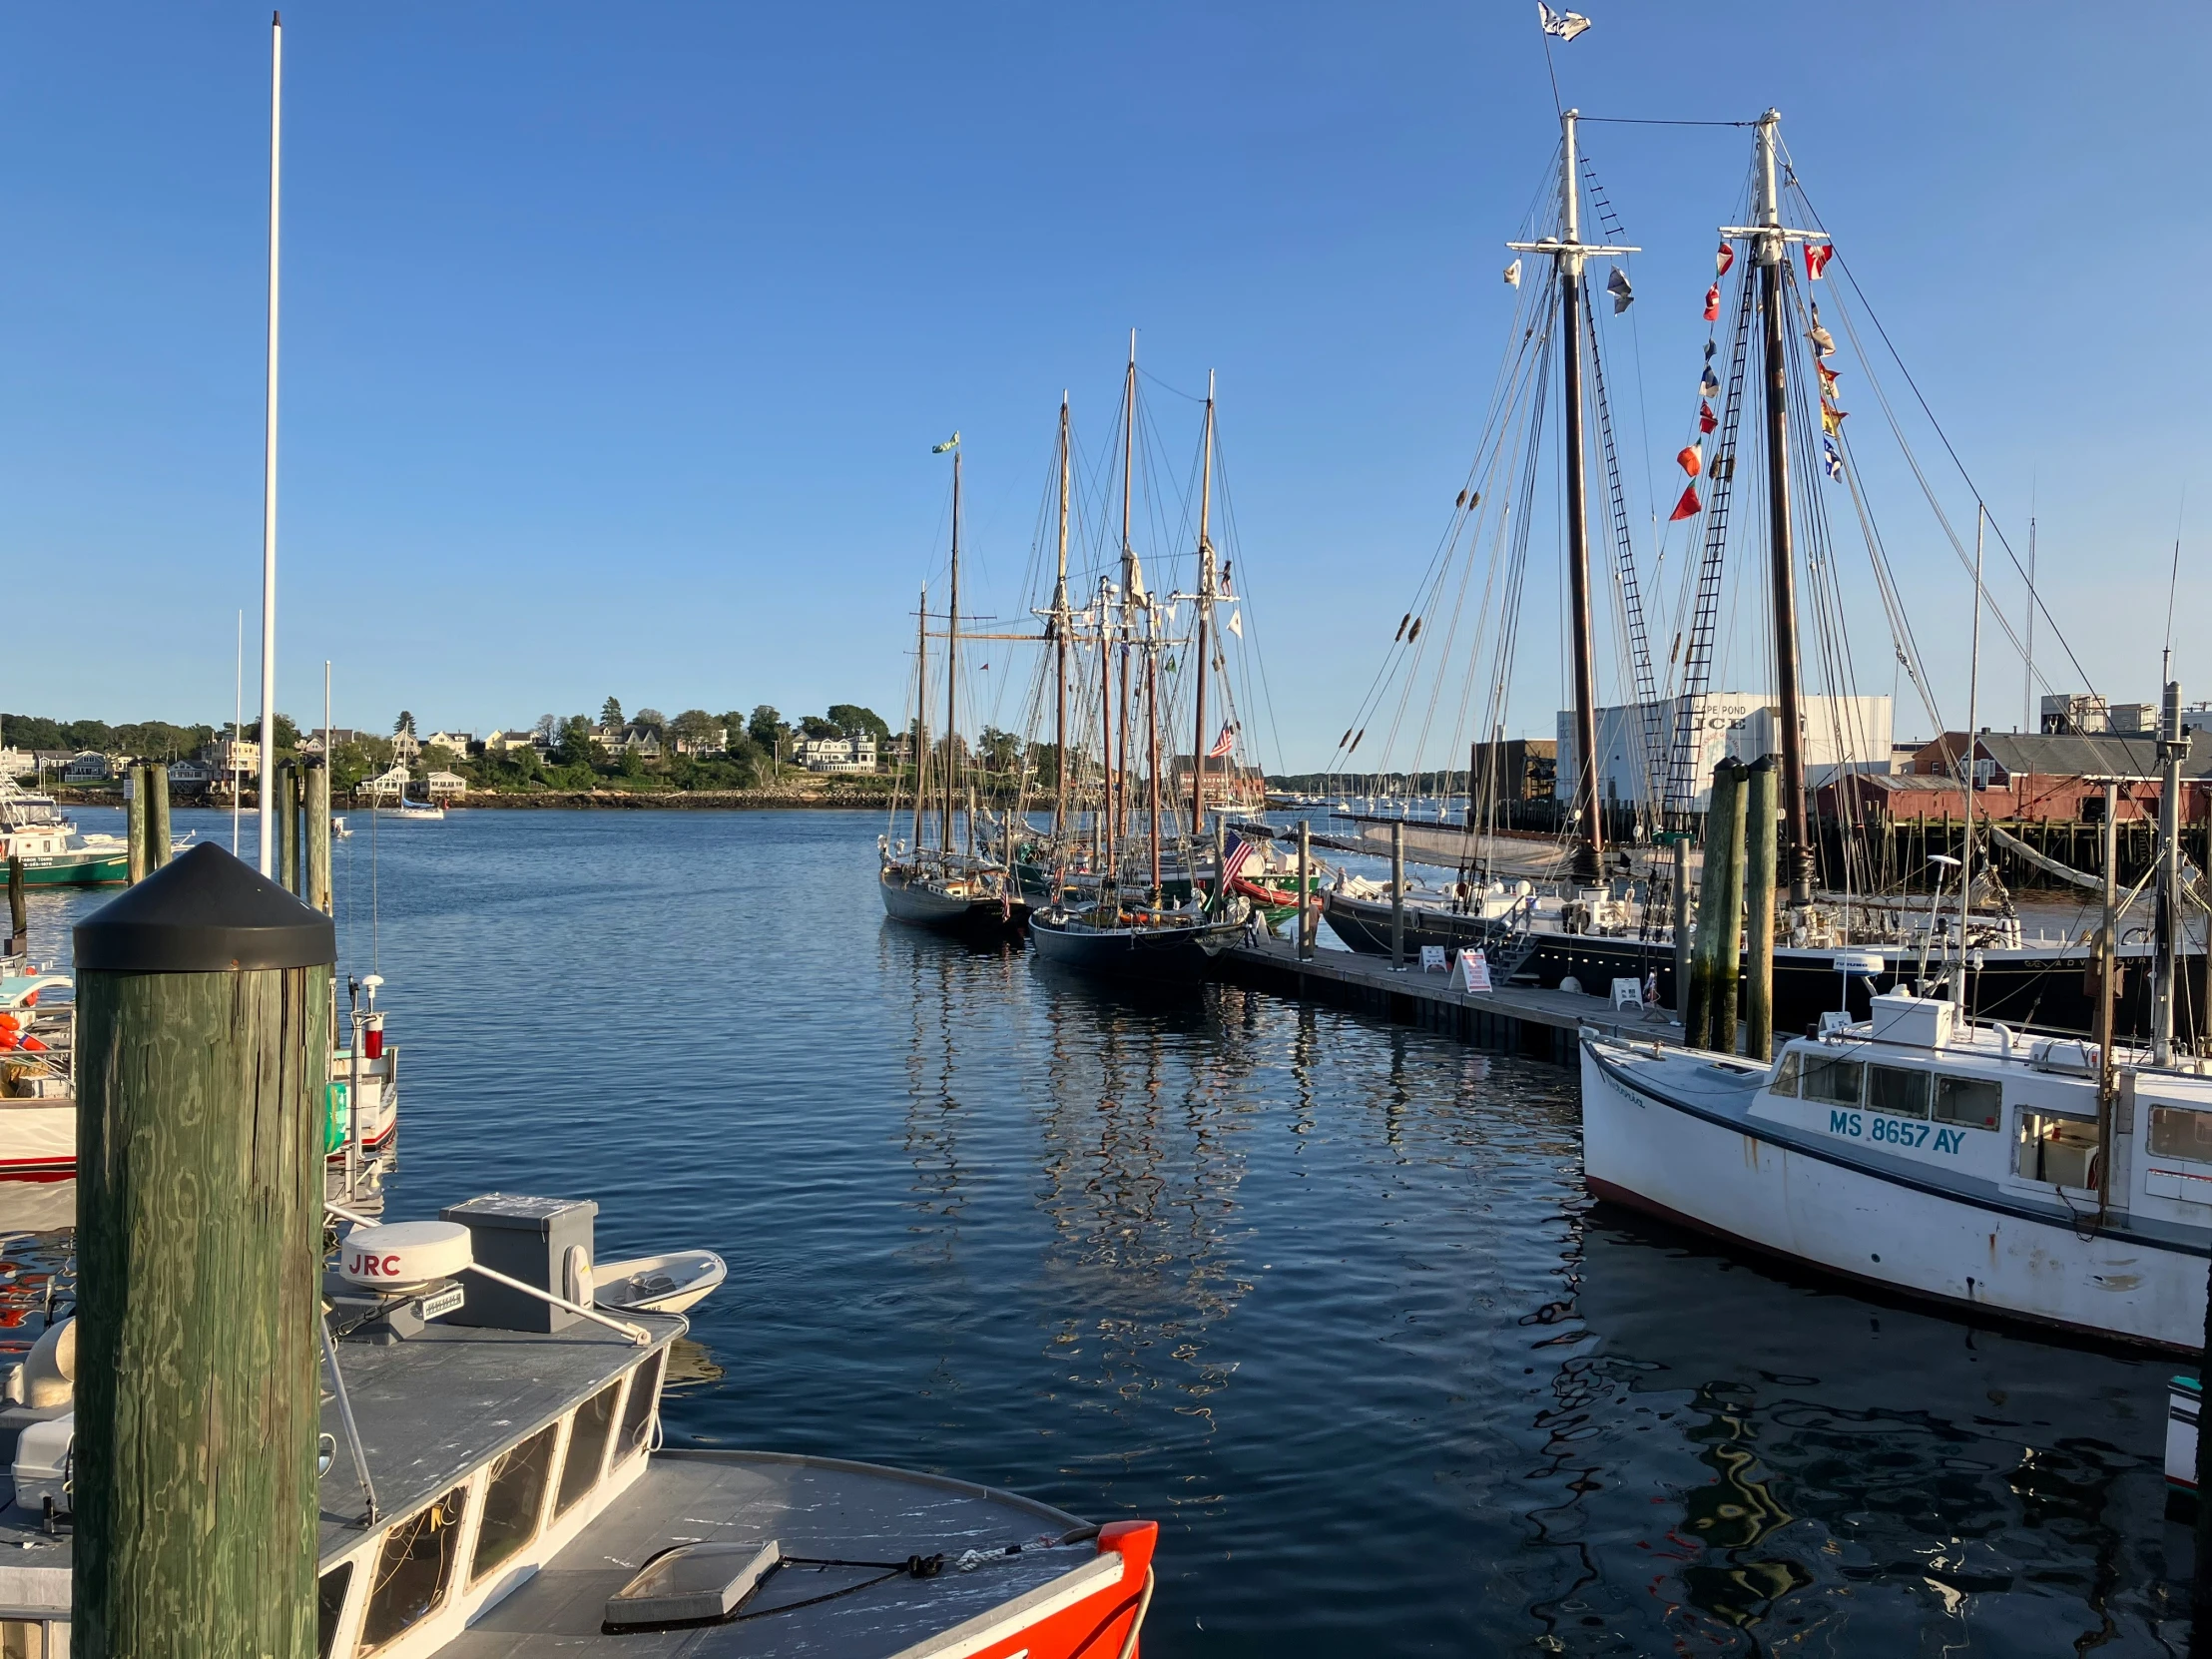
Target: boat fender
<point>576,1275</point>
<point>50,1373</point>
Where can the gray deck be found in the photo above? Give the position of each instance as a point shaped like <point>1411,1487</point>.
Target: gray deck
<point>812,1507</point>
<point>439,1404</point>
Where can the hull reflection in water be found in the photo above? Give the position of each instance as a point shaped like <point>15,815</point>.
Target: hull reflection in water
<point>1780,1446</point>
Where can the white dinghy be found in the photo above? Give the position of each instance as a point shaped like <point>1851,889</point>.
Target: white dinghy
<point>673,1282</point>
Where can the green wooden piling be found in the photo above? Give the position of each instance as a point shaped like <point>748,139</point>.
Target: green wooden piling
<point>319,838</point>
<point>203,998</point>
<point>154,784</point>
<point>1759,865</point>
<point>1697,1024</point>
<point>134,823</point>
<point>288,827</point>
<point>1728,931</point>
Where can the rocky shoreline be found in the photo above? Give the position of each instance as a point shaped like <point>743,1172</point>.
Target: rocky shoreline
<point>833,799</point>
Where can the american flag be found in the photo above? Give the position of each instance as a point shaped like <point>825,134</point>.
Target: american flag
<point>1225,742</point>
<point>1234,856</point>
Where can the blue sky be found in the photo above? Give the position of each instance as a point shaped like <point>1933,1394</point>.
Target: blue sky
<point>616,337</point>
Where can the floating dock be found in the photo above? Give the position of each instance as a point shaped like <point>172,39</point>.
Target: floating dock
<point>1515,1020</point>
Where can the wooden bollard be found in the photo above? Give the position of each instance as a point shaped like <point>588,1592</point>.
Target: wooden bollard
<point>154,784</point>
<point>203,1041</point>
<point>319,838</point>
<point>1728,925</point>
<point>1697,1025</point>
<point>1760,800</point>
<point>134,823</point>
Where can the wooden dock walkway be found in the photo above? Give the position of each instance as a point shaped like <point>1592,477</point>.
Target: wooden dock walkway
<point>1515,1019</point>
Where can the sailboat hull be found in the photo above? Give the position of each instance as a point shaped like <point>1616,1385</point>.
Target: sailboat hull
<point>920,903</point>
<point>1158,953</point>
<point>2042,988</point>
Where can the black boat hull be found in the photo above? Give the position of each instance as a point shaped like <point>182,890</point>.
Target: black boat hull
<point>1167,953</point>
<point>2045,989</point>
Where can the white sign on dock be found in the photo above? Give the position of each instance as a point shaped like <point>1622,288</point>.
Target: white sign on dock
<point>1473,973</point>
<point>1432,959</point>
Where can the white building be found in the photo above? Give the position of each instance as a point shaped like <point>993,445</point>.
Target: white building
<point>837,754</point>
<point>460,743</point>
<point>385,786</point>
<point>1840,733</point>
<point>17,763</point>
<point>447,786</point>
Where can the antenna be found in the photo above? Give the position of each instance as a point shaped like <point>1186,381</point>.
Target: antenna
<point>268,460</point>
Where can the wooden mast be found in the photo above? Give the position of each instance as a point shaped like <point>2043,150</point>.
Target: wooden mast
<point>1104,822</point>
<point>1199,745</point>
<point>952,668</point>
<point>921,712</point>
<point>1152,731</point>
<point>1060,647</point>
<point>1568,253</point>
<point>1128,570</point>
<point>1771,249</point>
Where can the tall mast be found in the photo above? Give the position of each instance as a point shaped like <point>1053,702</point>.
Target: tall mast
<point>951,669</point>
<point>1199,745</point>
<point>1061,647</point>
<point>1974,748</point>
<point>1151,730</point>
<point>268,463</point>
<point>1128,563</point>
<point>1568,253</point>
<point>922,710</point>
<point>1104,824</point>
<point>2174,749</point>
<point>1771,251</point>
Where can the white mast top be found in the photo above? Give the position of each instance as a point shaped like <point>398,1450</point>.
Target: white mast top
<point>268,463</point>
<point>1568,248</point>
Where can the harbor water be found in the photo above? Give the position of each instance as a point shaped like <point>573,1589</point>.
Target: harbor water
<point>1321,1294</point>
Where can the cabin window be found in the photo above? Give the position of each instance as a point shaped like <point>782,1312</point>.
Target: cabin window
<point>23,1639</point>
<point>1897,1090</point>
<point>514,1498</point>
<point>637,1416</point>
<point>2177,1132</point>
<point>413,1570</point>
<point>1785,1075</point>
<point>329,1607</point>
<point>2058,1150</point>
<point>587,1446</point>
<point>1833,1080</point>
<point>1974,1101</point>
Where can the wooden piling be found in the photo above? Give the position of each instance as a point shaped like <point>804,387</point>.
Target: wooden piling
<point>1397,895</point>
<point>1759,866</point>
<point>134,824</point>
<point>203,998</point>
<point>154,784</point>
<point>1304,889</point>
<point>1697,1023</point>
<point>1681,897</point>
<point>1728,931</point>
<point>19,915</point>
<point>319,838</point>
<point>288,827</point>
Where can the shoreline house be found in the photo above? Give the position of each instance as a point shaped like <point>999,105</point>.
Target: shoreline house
<point>640,738</point>
<point>446,786</point>
<point>504,743</point>
<point>18,763</point>
<point>89,766</point>
<point>461,744</point>
<point>836,754</point>
<point>1229,788</point>
<point>385,786</point>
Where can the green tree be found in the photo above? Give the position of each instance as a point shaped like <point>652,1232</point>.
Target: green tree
<point>650,717</point>
<point>405,723</point>
<point>695,729</point>
<point>766,729</point>
<point>852,720</point>
<point>610,715</point>
<point>814,726</point>
<point>998,751</point>
<point>575,748</point>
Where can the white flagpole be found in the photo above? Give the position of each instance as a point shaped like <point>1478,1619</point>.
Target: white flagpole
<point>268,463</point>
<point>238,733</point>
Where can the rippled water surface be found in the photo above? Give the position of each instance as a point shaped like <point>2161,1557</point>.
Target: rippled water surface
<point>1323,1295</point>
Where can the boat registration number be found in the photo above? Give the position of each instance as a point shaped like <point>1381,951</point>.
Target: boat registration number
<point>1889,1131</point>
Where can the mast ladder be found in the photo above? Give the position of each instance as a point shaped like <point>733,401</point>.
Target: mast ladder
<point>1624,557</point>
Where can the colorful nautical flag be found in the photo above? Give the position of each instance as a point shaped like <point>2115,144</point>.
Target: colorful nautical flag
<point>1713,303</point>
<point>1829,377</point>
<point>1225,742</point>
<point>1706,418</point>
<point>1817,256</point>
<point>1832,418</point>
<point>1688,507</point>
<point>1567,25</point>
<point>1691,459</point>
<point>1724,259</point>
<point>1710,387</point>
<point>953,442</point>
<point>1513,274</point>
<point>1617,285</point>
<point>1236,623</point>
<point>1831,459</point>
<point>1232,856</point>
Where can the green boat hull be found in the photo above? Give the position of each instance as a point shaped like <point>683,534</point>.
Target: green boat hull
<point>77,869</point>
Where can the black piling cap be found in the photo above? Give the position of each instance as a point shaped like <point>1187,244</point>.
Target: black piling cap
<point>205,913</point>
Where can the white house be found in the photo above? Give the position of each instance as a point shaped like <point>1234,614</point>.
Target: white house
<point>447,786</point>
<point>460,743</point>
<point>386,785</point>
<point>837,754</point>
<point>88,767</point>
<point>406,748</point>
<point>17,763</point>
<point>499,743</point>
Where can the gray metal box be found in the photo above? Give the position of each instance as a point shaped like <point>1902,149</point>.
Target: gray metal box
<point>527,1238</point>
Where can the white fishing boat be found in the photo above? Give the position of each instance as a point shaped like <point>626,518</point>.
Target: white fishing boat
<point>673,1282</point>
